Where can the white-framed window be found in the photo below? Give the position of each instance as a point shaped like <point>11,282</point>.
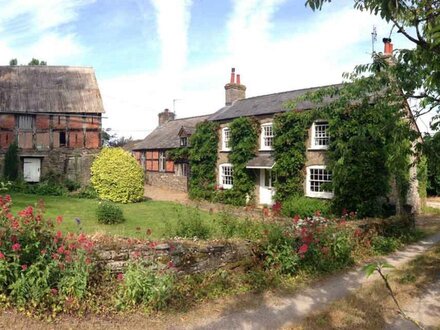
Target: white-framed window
<point>225,176</point>
<point>320,135</point>
<point>226,133</point>
<point>162,161</point>
<point>26,122</point>
<point>266,136</point>
<point>317,177</point>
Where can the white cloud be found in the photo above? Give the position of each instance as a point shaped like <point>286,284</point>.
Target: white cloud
<point>36,22</point>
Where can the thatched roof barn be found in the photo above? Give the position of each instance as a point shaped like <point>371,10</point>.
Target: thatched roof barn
<point>49,89</point>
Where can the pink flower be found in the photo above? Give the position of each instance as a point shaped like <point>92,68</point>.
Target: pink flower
<point>24,267</point>
<point>2,256</point>
<point>303,249</point>
<point>16,247</point>
<point>170,264</point>
<point>120,277</point>
<point>54,291</point>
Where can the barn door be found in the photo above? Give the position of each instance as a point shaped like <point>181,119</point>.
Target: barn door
<point>31,169</point>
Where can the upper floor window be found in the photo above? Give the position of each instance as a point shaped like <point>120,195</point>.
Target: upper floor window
<point>226,176</point>
<point>162,161</point>
<point>267,136</point>
<point>226,133</point>
<point>183,141</point>
<point>320,135</point>
<point>25,122</point>
<point>318,179</point>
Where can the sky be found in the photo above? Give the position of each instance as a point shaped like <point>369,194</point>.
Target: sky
<point>149,55</point>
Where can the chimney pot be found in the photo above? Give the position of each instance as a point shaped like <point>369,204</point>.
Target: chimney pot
<point>232,76</point>
<point>238,79</point>
<point>166,116</point>
<point>388,46</point>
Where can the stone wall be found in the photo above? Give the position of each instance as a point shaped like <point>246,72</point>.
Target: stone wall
<point>186,257</point>
<point>167,181</point>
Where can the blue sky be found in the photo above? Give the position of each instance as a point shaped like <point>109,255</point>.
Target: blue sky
<point>147,53</point>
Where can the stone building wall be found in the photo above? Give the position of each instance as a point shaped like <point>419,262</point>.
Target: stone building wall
<point>167,181</point>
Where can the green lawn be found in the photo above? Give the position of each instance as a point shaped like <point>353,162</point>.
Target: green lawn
<point>160,217</point>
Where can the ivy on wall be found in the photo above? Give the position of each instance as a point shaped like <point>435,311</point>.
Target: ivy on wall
<point>244,144</point>
<point>291,131</point>
<point>179,154</point>
<point>203,160</point>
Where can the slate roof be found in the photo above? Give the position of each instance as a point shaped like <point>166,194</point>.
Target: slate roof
<point>262,160</point>
<point>49,89</point>
<point>166,136</point>
<point>264,104</point>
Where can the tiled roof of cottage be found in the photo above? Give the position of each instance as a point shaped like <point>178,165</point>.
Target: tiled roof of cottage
<point>264,104</point>
<point>49,89</point>
<point>167,135</point>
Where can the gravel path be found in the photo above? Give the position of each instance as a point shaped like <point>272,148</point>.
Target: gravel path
<point>279,312</point>
<point>425,309</point>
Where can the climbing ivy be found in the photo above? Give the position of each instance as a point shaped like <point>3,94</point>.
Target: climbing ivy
<point>291,132</point>
<point>203,160</point>
<point>244,144</point>
<point>177,154</point>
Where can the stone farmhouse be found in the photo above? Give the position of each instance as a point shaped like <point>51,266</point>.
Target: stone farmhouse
<point>262,108</point>
<point>54,114</point>
<point>153,152</point>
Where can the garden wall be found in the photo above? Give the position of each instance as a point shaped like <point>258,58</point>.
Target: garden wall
<point>186,256</point>
<point>167,180</point>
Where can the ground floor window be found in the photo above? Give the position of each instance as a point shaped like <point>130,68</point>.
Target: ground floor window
<point>162,161</point>
<point>226,176</point>
<point>318,178</point>
<point>182,169</point>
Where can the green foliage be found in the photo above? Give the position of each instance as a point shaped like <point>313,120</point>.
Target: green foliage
<point>13,62</point>
<point>305,207</point>
<point>12,162</point>
<point>87,192</point>
<point>431,149</point>
<point>109,213</point>
<point>141,285</point>
<point>117,177</point>
<point>203,160</point>
<point>422,176</point>
<point>177,154</point>
<point>231,226</point>
<point>71,185</point>
<point>36,61</point>
<point>244,143</point>
<point>190,224</point>
<point>291,130</point>
<point>384,245</point>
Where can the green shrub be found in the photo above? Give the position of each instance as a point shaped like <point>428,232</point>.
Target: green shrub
<point>46,188</point>
<point>141,285</point>
<point>190,224</point>
<point>71,185</point>
<point>304,206</point>
<point>230,226</point>
<point>109,213</point>
<point>12,162</point>
<point>87,192</point>
<point>385,245</point>
<point>117,176</point>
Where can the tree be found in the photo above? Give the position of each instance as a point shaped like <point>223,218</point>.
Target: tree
<point>432,152</point>
<point>110,139</point>
<point>417,70</point>
<point>35,61</point>
<point>13,62</point>
<point>11,162</point>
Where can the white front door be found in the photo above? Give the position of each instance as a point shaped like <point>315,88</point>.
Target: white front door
<point>31,169</point>
<point>266,190</point>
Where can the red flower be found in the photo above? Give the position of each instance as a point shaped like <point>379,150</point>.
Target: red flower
<point>170,264</point>
<point>318,213</point>
<point>59,234</point>
<point>303,249</point>
<point>357,232</point>
<point>16,247</point>
<point>296,218</point>
<point>54,291</point>
<point>23,267</point>
<point>59,219</point>
<point>120,277</point>
<point>2,256</point>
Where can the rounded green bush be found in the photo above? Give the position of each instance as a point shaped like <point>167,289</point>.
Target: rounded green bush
<point>109,213</point>
<point>117,177</point>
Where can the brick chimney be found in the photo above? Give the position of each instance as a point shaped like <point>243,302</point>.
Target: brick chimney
<point>166,116</point>
<point>234,90</point>
<point>388,47</point>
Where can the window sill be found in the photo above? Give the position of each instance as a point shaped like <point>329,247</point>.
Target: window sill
<point>323,195</point>
<point>271,149</point>
<point>225,150</point>
<point>317,149</point>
